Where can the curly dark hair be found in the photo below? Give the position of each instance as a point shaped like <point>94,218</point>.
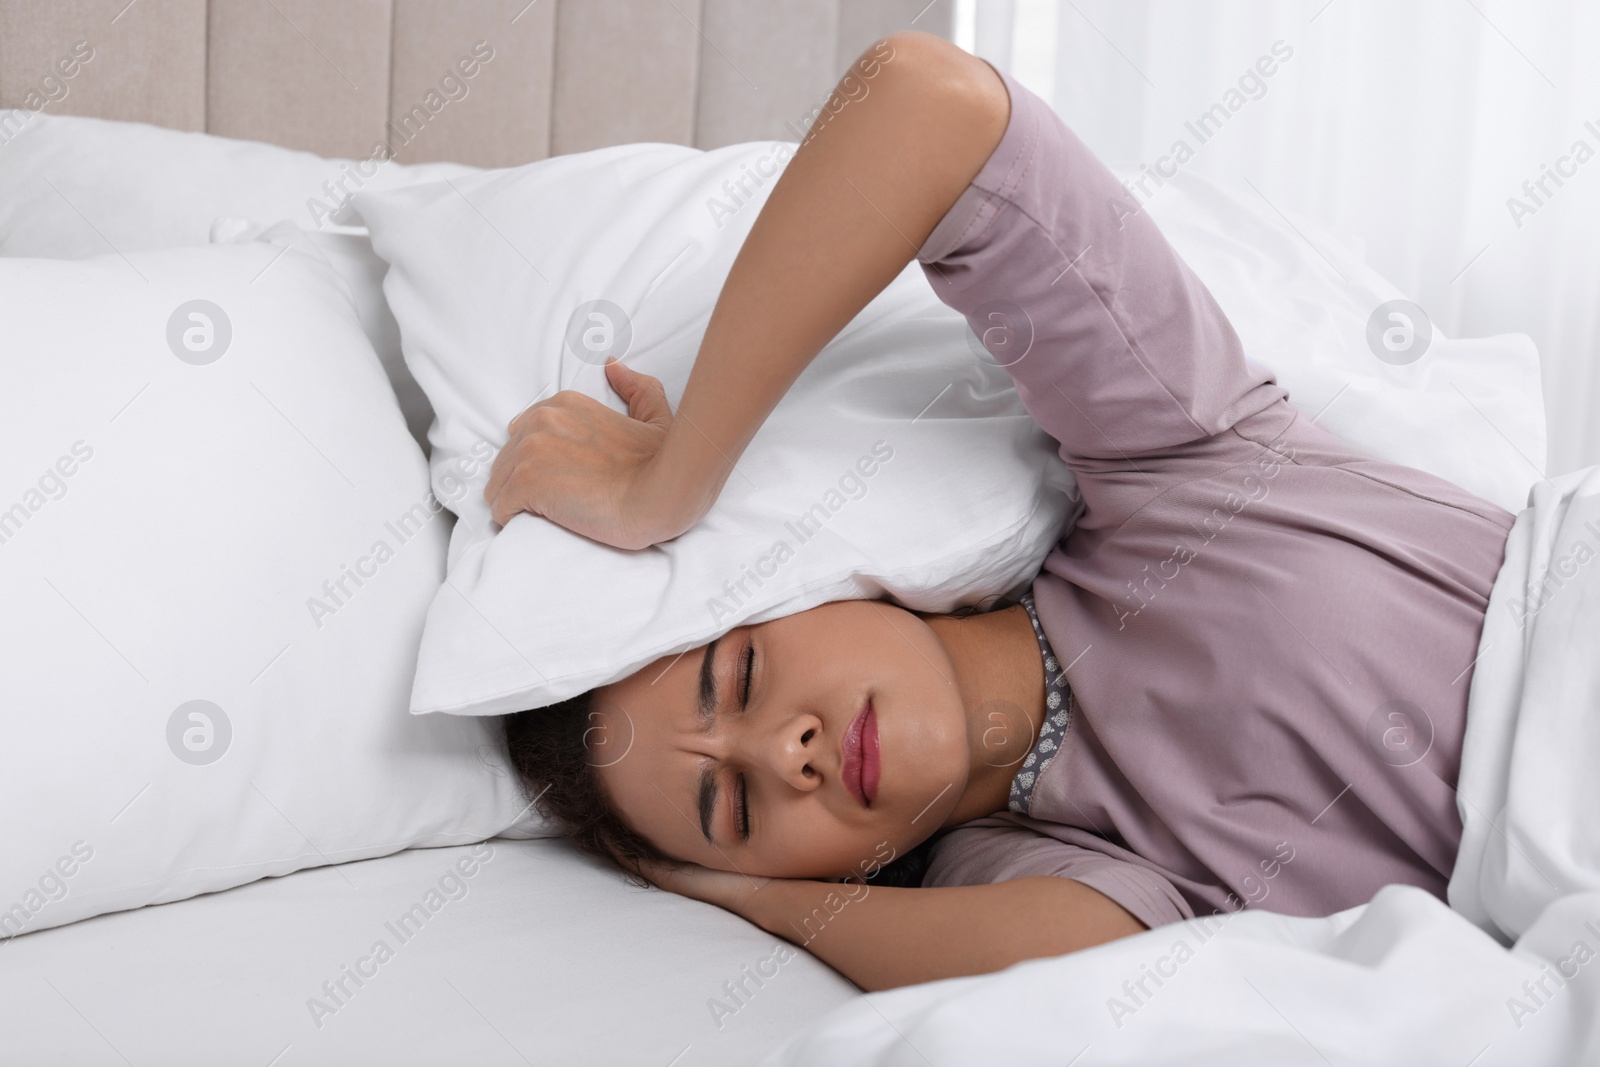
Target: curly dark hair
<point>548,747</point>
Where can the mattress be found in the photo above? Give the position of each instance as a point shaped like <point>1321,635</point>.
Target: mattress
<point>541,956</point>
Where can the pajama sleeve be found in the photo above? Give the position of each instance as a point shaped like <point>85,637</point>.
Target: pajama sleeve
<point>984,851</point>
<point>1117,349</point>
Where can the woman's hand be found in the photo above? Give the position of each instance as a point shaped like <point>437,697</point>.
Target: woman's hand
<point>726,889</point>
<point>576,462</point>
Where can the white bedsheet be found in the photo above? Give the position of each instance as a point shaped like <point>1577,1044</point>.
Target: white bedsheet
<point>548,958</point>
<point>1530,763</point>
<point>1403,979</point>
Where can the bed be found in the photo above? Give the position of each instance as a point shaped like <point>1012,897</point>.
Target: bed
<point>275,901</point>
<point>546,958</point>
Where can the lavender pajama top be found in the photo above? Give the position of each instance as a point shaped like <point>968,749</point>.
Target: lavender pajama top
<point>1258,640</point>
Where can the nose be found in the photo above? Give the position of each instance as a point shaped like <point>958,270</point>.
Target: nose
<point>792,750</point>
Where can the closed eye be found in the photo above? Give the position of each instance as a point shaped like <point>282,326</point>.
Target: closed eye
<point>749,670</point>
<point>741,820</point>
<point>742,823</point>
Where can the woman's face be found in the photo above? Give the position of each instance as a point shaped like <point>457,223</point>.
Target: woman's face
<point>781,753</point>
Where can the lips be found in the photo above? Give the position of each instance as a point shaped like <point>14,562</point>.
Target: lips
<point>861,765</point>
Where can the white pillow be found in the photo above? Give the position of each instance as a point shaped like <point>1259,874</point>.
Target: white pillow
<point>928,479</point>
<point>72,187</point>
<point>179,536</point>
<point>488,292</point>
<point>1468,410</point>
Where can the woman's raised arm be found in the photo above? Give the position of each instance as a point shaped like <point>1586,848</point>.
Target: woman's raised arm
<point>900,138</point>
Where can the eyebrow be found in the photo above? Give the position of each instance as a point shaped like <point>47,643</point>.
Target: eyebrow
<point>707,798</point>
<point>708,683</point>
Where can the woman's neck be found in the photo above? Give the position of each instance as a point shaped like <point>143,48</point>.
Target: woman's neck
<point>999,672</point>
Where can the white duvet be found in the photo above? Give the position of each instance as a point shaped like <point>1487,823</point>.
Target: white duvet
<point>1403,979</point>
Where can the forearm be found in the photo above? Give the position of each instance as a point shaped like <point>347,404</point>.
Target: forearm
<point>883,937</point>
<point>877,173</point>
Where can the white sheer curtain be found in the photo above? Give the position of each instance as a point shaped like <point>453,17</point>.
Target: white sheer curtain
<point>1460,139</point>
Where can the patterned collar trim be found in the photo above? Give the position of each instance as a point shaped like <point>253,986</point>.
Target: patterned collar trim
<point>1057,720</point>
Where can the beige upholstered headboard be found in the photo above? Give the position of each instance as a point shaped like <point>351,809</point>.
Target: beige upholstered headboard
<point>486,82</point>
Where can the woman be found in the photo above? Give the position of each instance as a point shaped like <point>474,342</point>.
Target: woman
<point>1241,679</point>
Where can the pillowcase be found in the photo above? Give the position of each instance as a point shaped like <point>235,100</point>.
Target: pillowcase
<point>72,187</point>
<point>898,464</point>
<point>217,546</point>
<point>1470,410</point>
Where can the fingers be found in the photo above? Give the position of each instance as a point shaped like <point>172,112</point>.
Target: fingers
<point>646,396</point>
<point>506,493</point>
<point>524,418</point>
<point>502,509</point>
<point>506,459</point>
<point>502,472</point>
<point>661,875</point>
<point>499,472</point>
<point>543,413</point>
<point>565,455</point>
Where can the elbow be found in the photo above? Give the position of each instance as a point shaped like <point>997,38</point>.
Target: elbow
<point>953,87</point>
